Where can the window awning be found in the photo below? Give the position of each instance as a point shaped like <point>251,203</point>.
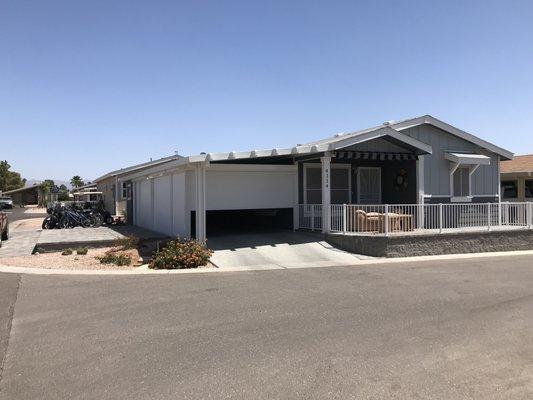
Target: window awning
<point>467,159</point>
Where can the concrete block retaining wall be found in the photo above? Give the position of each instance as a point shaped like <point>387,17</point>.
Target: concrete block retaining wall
<point>435,244</point>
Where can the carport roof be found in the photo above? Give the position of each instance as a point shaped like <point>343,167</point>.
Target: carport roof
<point>23,189</point>
<point>335,143</point>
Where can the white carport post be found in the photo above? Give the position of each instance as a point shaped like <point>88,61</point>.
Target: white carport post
<point>420,179</point>
<point>200,202</point>
<point>326,192</point>
<point>117,194</point>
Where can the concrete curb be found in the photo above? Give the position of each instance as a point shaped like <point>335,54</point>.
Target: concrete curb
<point>144,270</point>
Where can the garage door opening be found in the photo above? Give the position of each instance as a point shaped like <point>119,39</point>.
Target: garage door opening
<point>221,222</point>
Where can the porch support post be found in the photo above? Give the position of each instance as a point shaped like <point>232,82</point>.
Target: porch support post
<point>200,202</point>
<point>296,209</point>
<point>117,194</point>
<point>326,193</point>
<point>420,191</point>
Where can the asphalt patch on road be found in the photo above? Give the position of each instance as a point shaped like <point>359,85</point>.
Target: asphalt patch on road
<point>9,284</point>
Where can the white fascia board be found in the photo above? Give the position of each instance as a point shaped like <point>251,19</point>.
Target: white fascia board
<point>156,170</point>
<point>242,155</point>
<point>428,119</point>
<point>470,159</point>
<point>137,167</point>
<point>377,133</point>
<point>253,168</point>
<point>411,141</point>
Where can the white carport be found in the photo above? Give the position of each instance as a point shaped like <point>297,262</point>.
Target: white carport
<point>165,200</point>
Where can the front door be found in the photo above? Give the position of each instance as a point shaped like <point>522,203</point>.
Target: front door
<point>369,185</point>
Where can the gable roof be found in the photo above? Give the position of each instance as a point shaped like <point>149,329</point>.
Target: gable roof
<point>520,164</point>
<point>430,120</point>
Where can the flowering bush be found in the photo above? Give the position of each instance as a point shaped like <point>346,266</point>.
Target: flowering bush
<point>179,254</point>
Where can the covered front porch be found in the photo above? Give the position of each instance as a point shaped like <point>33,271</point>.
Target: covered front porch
<point>349,187</point>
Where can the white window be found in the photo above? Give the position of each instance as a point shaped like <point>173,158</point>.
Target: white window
<point>124,190</point>
<point>369,185</point>
<point>340,184</point>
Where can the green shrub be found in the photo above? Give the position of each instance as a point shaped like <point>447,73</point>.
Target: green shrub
<point>81,251</point>
<point>112,257</point>
<point>66,252</point>
<point>127,243</point>
<point>179,254</point>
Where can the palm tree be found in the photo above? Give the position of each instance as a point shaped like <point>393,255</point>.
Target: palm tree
<point>76,181</point>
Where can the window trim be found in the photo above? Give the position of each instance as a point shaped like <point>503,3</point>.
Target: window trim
<point>124,190</point>
<point>332,166</point>
<point>471,169</point>
<point>359,169</point>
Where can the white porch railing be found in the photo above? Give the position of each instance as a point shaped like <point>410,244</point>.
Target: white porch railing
<point>396,219</point>
<point>310,216</point>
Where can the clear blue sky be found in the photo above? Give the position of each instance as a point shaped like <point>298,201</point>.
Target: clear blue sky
<point>90,86</point>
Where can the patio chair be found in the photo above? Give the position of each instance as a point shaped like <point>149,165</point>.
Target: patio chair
<point>371,222</point>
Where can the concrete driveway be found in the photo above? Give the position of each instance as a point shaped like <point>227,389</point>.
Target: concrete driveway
<point>279,249</point>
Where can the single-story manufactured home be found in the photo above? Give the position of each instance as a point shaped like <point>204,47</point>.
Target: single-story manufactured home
<point>117,195</point>
<point>517,179</point>
<point>395,177</point>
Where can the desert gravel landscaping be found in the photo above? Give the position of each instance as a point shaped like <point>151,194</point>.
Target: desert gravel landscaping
<point>72,262</point>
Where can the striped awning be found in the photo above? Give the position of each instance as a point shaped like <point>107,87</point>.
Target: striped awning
<point>365,155</point>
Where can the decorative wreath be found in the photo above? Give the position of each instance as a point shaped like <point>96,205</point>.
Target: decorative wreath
<point>401,182</point>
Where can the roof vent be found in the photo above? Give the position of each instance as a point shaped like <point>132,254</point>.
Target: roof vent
<point>386,123</point>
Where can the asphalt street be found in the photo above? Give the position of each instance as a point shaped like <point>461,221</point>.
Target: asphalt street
<point>458,329</point>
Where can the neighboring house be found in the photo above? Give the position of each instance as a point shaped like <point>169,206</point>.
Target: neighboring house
<point>117,195</point>
<point>418,161</point>
<point>517,179</point>
<point>31,195</point>
<point>87,192</point>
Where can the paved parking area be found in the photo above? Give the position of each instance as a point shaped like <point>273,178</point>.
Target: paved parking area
<point>279,249</point>
<point>19,244</point>
<point>23,241</point>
